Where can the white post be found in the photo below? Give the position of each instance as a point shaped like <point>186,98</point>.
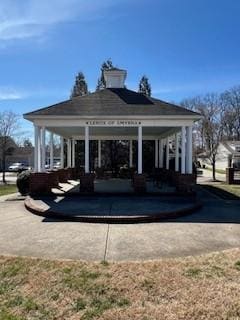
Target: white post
<point>167,153</point>
<point>176,152</point>
<point>36,148</point>
<point>39,150</point>
<point>139,150</point>
<point>156,154</point>
<point>189,150</point>
<point>51,151</point>
<point>183,150</point>
<point>69,156</point>
<point>62,152</point>
<point>160,150</point>
<point>130,153</point>
<point>86,149</point>
<point>43,149</point>
<point>99,154</point>
<point>73,153</point>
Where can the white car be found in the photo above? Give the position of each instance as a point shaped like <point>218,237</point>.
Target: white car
<point>57,165</point>
<point>17,166</point>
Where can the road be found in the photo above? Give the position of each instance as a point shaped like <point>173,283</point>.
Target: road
<point>11,177</point>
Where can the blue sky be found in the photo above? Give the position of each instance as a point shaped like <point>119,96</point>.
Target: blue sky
<point>185,47</point>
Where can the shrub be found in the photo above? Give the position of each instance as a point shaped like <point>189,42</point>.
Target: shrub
<point>23,182</point>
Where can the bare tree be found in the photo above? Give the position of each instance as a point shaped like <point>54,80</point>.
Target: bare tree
<point>230,100</point>
<point>8,126</point>
<point>210,128</point>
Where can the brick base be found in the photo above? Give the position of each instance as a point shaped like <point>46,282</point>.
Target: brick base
<point>63,175</point>
<point>139,183</point>
<point>87,183</point>
<point>80,171</point>
<point>230,175</point>
<point>185,182</point>
<point>99,173</point>
<point>53,178</point>
<point>39,183</point>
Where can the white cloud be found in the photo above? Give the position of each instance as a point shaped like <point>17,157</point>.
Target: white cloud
<point>33,18</point>
<point>7,93</point>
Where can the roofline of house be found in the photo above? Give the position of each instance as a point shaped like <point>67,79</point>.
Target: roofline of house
<point>138,117</point>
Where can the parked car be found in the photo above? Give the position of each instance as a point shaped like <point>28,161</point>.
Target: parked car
<point>57,165</point>
<point>17,167</point>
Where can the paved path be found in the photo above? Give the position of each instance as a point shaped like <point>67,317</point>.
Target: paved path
<point>10,177</point>
<point>215,227</point>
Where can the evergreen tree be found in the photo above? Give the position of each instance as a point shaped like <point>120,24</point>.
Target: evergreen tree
<point>144,86</point>
<point>101,84</point>
<point>80,87</point>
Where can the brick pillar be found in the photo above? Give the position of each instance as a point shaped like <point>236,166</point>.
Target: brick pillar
<point>139,183</point>
<point>185,182</point>
<point>62,175</point>
<point>230,175</point>
<point>39,183</point>
<point>53,178</point>
<point>87,183</point>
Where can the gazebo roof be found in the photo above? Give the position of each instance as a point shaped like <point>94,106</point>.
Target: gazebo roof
<point>112,102</point>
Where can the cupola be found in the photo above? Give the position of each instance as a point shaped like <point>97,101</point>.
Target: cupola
<point>115,78</point>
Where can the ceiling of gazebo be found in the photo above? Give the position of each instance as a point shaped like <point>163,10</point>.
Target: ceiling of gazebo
<point>113,133</point>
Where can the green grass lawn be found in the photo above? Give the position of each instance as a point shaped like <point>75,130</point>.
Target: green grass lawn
<point>223,190</point>
<point>233,189</point>
<point>191,288</point>
<point>7,189</point>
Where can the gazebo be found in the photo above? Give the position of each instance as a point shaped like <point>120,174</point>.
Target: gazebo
<point>116,113</point>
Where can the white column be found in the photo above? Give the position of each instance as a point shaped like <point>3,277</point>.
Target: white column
<point>36,148</point>
<point>99,154</point>
<point>130,153</point>
<point>73,153</point>
<point>86,149</point>
<point>176,152</point>
<point>139,150</point>
<point>62,152</point>
<point>189,150</point>
<point>43,149</point>
<point>167,153</point>
<point>156,154</point>
<point>183,150</point>
<point>160,150</point>
<point>69,150</point>
<point>51,151</point>
<point>39,150</point>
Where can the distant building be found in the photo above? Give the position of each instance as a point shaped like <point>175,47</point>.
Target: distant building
<point>22,154</point>
<point>18,154</point>
<point>228,155</point>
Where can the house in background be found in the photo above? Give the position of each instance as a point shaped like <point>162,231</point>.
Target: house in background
<point>17,154</point>
<point>228,155</point>
<point>22,154</point>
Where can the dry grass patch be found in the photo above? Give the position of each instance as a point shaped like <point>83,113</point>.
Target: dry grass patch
<point>7,189</point>
<point>203,287</point>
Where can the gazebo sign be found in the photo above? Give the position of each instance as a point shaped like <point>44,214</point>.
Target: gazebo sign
<point>117,123</point>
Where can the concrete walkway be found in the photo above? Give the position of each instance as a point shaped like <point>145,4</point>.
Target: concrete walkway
<point>215,227</point>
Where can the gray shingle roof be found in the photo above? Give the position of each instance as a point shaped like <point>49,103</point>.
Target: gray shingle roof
<point>115,102</point>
